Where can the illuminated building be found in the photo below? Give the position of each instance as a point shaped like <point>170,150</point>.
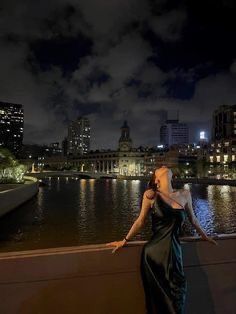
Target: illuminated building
<point>222,154</point>
<point>126,160</point>
<point>55,148</point>
<point>79,137</point>
<point>11,126</point>
<point>224,123</point>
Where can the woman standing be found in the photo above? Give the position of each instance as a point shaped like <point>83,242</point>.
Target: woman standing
<point>162,272</point>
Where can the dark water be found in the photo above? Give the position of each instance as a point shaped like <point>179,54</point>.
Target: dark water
<point>71,212</point>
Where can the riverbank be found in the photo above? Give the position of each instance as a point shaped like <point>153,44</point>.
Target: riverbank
<point>208,181</point>
<point>13,195</point>
<point>88,175</point>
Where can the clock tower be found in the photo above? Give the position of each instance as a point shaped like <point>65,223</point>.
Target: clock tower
<point>125,142</point>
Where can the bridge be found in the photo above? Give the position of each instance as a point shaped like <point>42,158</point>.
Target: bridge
<point>80,174</point>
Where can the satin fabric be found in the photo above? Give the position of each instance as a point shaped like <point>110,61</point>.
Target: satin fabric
<point>163,278</point>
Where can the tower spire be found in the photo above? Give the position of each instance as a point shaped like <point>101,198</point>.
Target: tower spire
<point>125,142</point>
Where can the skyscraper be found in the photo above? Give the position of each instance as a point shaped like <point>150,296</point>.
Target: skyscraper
<point>224,123</point>
<point>174,133</point>
<point>11,126</point>
<point>79,137</point>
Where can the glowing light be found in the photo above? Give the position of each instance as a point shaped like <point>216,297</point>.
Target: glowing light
<point>202,135</point>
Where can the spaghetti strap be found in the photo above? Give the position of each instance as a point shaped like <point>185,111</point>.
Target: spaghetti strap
<point>182,207</point>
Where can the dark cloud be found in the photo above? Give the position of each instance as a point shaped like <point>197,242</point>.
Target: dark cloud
<point>71,51</point>
<point>116,60</point>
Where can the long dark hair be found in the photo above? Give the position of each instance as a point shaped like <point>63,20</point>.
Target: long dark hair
<point>151,183</point>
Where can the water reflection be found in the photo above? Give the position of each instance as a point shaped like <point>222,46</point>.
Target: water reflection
<point>221,201</point>
<point>74,212</point>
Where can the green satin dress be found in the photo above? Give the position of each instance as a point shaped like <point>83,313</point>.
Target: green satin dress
<point>162,272</point>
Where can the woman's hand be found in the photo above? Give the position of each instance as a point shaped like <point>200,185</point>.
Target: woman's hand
<point>116,244</point>
<point>211,240</point>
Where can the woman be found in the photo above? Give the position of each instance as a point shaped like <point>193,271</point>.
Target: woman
<point>162,272</point>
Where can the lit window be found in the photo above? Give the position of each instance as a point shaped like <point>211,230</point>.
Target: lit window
<point>225,158</point>
<point>218,158</point>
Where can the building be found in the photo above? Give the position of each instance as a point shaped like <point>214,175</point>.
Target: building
<point>174,133</point>
<point>224,123</point>
<point>126,160</point>
<point>55,149</point>
<point>64,146</point>
<point>125,142</point>
<point>222,153</point>
<point>11,126</point>
<point>79,137</point>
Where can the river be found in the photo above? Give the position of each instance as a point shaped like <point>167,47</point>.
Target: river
<point>72,211</point>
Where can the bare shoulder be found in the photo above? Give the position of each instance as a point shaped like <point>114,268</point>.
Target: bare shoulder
<point>184,194</point>
<point>149,194</point>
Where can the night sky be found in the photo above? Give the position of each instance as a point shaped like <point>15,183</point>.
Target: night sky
<point>117,59</point>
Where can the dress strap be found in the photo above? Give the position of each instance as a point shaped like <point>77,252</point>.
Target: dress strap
<point>158,192</point>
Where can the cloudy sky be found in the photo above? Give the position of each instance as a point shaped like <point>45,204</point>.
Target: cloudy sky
<point>115,60</point>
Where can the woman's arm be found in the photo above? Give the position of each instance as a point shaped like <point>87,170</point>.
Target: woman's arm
<point>194,221</point>
<point>139,222</point>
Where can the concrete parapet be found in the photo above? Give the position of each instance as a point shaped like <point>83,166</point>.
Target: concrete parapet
<point>91,280</point>
<point>14,195</point>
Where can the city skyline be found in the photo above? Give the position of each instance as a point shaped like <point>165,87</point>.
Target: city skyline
<point>171,118</point>
<point>117,61</point>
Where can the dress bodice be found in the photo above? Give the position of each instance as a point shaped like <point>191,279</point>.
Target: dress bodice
<point>166,217</point>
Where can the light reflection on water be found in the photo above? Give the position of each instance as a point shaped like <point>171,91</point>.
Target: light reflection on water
<point>70,212</point>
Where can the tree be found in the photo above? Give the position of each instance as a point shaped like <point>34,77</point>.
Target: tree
<point>11,171</point>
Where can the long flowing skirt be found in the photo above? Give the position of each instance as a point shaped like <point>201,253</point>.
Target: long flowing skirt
<point>163,278</point>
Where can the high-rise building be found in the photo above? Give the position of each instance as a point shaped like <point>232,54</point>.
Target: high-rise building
<point>79,137</point>
<point>11,126</point>
<point>174,133</point>
<point>224,123</point>
<point>222,151</point>
<point>64,146</point>
<point>203,141</point>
